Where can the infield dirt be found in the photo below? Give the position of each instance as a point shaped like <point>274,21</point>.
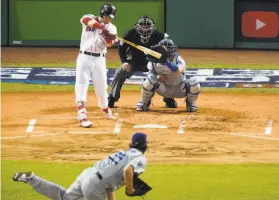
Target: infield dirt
<point>228,128</point>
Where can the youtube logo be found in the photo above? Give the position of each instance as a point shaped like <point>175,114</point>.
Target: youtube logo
<point>260,24</point>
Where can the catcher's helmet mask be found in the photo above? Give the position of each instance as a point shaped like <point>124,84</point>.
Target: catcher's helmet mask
<point>170,46</point>
<point>108,10</point>
<point>159,49</point>
<point>145,28</point>
<point>139,141</point>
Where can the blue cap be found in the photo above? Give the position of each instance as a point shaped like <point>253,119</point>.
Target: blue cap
<point>139,138</point>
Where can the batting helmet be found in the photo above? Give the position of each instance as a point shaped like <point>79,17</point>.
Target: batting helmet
<point>108,10</point>
<point>139,141</point>
<point>145,27</point>
<point>170,46</point>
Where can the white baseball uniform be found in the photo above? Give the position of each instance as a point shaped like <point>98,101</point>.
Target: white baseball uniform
<point>91,63</point>
<point>94,182</point>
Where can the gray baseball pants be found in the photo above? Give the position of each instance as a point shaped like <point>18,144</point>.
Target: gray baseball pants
<point>118,80</point>
<point>87,186</point>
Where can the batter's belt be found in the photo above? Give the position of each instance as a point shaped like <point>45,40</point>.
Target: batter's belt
<point>92,54</point>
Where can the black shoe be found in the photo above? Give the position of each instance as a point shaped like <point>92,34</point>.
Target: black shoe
<point>170,103</point>
<point>111,102</point>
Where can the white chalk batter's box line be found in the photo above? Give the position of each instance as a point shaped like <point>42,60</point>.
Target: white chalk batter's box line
<point>117,130</point>
<point>45,134</point>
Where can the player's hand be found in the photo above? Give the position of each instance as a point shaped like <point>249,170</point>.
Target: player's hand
<point>130,191</point>
<point>126,67</point>
<point>107,35</point>
<point>102,26</point>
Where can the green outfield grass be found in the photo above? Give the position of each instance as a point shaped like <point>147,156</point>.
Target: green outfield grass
<point>21,87</point>
<point>169,182</point>
<point>116,65</point>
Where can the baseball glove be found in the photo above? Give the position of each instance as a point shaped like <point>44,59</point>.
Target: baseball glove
<point>160,49</point>
<point>140,187</point>
<point>107,35</point>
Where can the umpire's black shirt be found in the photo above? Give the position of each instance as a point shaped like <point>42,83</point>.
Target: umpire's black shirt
<point>134,56</point>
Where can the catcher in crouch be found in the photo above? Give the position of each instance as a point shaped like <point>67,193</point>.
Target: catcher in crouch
<point>167,78</point>
<point>99,182</point>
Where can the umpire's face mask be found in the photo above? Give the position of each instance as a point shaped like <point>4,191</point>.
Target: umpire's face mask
<point>145,28</point>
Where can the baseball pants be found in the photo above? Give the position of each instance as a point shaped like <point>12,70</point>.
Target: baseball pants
<point>95,68</point>
<point>87,186</point>
<point>171,92</point>
<point>118,80</point>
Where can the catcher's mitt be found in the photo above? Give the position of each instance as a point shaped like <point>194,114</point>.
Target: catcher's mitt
<point>160,49</point>
<point>107,35</point>
<point>140,187</point>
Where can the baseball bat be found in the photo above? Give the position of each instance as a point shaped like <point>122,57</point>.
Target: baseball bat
<point>141,48</point>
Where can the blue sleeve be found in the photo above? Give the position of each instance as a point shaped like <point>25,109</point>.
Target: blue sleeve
<point>173,67</point>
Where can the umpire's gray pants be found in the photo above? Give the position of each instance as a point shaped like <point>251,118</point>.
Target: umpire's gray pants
<point>87,187</point>
<point>118,80</point>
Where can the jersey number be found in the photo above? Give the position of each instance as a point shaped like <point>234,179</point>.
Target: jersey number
<point>90,29</point>
<point>117,157</point>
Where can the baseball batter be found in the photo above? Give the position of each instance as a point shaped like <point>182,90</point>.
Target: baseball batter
<point>98,33</point>
<point>168,80</point>
<point>99,181</point>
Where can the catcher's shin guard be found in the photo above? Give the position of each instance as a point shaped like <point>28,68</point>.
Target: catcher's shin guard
<point>147,92</point>
<point>145,107</point>
<point>193,89</point>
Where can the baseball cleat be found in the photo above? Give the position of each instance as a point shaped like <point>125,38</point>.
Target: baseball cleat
<point>108,113</point>
<point>141,107</point>
<point>191,108</point>
<point>170,102</point>
<point>23,176</point>
<point>82,118</point>
<point>85,123</point>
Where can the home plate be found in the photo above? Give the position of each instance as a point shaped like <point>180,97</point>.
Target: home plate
<point>150,126</point>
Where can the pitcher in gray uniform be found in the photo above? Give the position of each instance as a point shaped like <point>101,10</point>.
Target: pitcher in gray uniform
<point>97,182</point>
<point>168,80</point>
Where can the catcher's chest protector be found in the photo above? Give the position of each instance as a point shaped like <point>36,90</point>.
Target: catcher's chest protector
<point>174,79</point>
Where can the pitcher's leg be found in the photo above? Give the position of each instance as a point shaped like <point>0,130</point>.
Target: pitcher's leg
<point>74,191</point>
<point>118,80</point>
<point>92,189</point>
<point>44,187</point>
<point>81,89</point>
<point>49,189</point>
